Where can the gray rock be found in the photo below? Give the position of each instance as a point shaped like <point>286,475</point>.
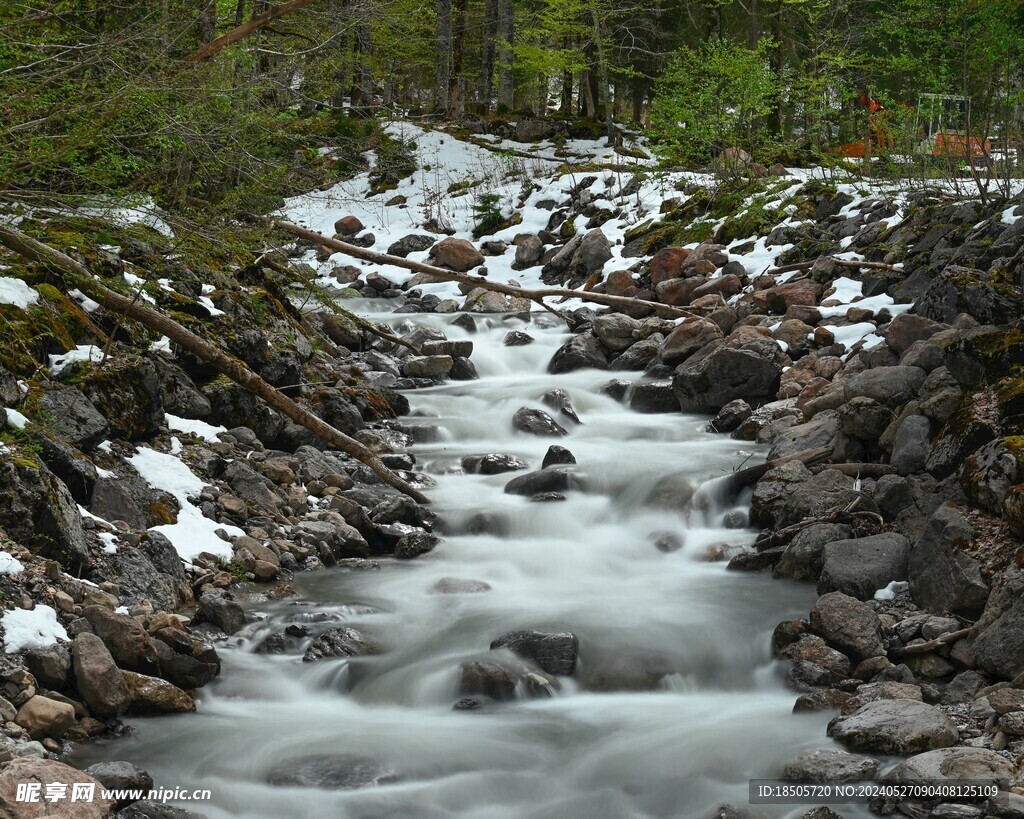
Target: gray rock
<point>952,764</point>
<point>890,386</point>
<point>707,383</point>
<point>427,366</point>
<point>557,455</point>
<point>490,679</point>
<point>50,666</point>
<point>153,571</point>
<point>493,464</point>
<point>129,396</point>
<point>911,444</point>
<point>580,351</point>
<point>74,418</point>
<point>653,397</point>
<point>554,479</point>
<point>536,422</point>
<point>848,624</point>
<point>997,641</point>
<point>861,566</point>
<point>894,727</point>
<point>221,612</point>
<point>803,557</point>
<point>333,773</point>
<point>338,642</point>
<point>825,765</point>
<point>819,432</point>
<point>731,416</point>
<point>528,253</point>
<point>988,474</point>
<point>594,250</point>
<point>122,776</point>
<point>410,244</point>
<point>943,576</point>
<point>617,331</point>
<point>559,400</point>
<point>864,418</point>
<point>553,653</point>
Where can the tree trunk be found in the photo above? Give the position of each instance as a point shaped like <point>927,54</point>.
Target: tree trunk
<point>487,58</point>
<point>506,72</point>
<point>231,367</point>
<point>602,71</point>
<point>206,25</point>
<point>458,44</point>
<point>362,105</point>
<point>443,70</point>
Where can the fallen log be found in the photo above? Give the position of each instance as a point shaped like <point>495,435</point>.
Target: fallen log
<point>536,296</point>
<point>862,470</point>
<point>234,369</point>
<point>931,645</point>
<point>807,265</point>
<point>735,482</point>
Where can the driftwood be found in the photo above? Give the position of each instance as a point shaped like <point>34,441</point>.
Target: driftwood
<point>441,274</point>
<point>848,515</point>
<point>733,483</point>
<point>231,367</point>
<point>807,265</point>
<point>864,470</point>
<point>931,645</point>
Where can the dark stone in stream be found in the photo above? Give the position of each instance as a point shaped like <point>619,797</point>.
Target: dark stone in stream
<point>333,773</point>
<point>487,678</point>
<point>517,338</point>
<point>616,388</point>
<point>460,585</point>
<point>536,422</point>
<point>547,497</point>
<point>558,399</point>
<point>667,542</point>
<point>338,642</point>
<point>469,704</point>
<point>465,321</point>
<point>554,653</point>
<point>122,776</point>
<point>217,609</point>
<point>557,455</point>
<point>557,479</point>
<point>493,464</point>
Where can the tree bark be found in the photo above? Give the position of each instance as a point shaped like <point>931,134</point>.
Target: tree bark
<point>487,58</point>
<point>234,369</point>
<point>506,72</point>
<point>458,45</point>
<point>443,70</point>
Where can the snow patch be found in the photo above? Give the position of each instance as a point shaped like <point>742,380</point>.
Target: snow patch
<point>16,419</point>
<point>10,564</point>
<point>16,292</point>
<point>35,628</point>
<point>208,432</point>
<point>890,591</point>
<point>83,352</point>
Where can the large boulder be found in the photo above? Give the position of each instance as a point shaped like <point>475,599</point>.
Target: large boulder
<point>978,765</point>
<point>891,386</point>
<point>908,328</point>
<point>911,444</point>
<point>707,383</point>
<point>987,475</point>
<point>153,571</point>
<point>456,254</point>
<point>617,331</point>
<point>151,695</point>
<point>43,717</point>
<point>338,642</point>
<point>44,772</point>
<point>74,418</point>
<point>790,493</point>
<point>100,682</point>
<point>129,644</point>
<point>803,557</point>
<point>593,252</point>
<point>826,765</point>
<point>997,640</point>
<point>536,422</point>
<point>553,653</point>
<point>128,393</point>
<point>894,727</point>
<point>944,576</point>
<point>583,350</point>
<point>959,290</point>
<point>848,624</point>
<point>688,338</point>
<point>861,566</point>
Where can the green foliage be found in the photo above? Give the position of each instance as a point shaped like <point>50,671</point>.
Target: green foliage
<point>710,98</point>
<point>487,210</point>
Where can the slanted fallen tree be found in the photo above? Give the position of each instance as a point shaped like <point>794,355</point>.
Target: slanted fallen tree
<point>439,273</point>
<point>87,283</point>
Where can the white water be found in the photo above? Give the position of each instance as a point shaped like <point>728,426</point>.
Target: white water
<point>585,565</point>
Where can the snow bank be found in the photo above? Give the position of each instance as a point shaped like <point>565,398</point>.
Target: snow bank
<point>83,352</point>
<point>25,629</point>
<point>193,533</point>
<point>208,432</point>
<point>16,292</point>
<point>10,565</point>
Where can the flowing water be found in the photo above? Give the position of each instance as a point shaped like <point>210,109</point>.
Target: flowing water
<point>718,717</point>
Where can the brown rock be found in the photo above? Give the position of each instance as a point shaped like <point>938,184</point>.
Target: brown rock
<point>151,695</point>
<point>780,298</point>
<point>620,283</point>
<point>129,644</point>
<point>687,338</point>
<point>99,680</point>
<point>45,772</point>
<point>725,286</point>
<point>44,717</point>
<point>348,226</point>
<point>456,254</point>
<point>677,292</point>
<point>667,263</point>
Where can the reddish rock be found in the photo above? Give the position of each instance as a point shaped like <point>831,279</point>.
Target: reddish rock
<point>686,339</point>
<point>712,300</point>
<point>456,254</point>
<point>724,286</point>
<point>677,292</point>
<point>823,337</point>
<point>701,267</point>
<point>43,773</point>
<point>348,226</point>
<point>803,312</point>
<point>620,283</point>
<point>780,298</point>
<point>813,388</point>
<point>667,263</point>
<point>907,328</point>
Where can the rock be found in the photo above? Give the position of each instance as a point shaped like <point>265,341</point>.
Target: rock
<point>617,331</point>
<point>820,431</point>
<point>988,474</point>
<point>848,624</point>
<point>558,399</point>
<point>486,678</point>
<point>963,687</point>
<point>911,444</point>
<point>348,225</point>
<point>952,765</point>
<point>829,765</point>
<point>147,809</point>
<point>221,612</point>
<point>943,576</point>
<point>44,717</point>
<point>706,384</point>
<point>894,727</point>
<point>122,776</point>
<point>494,464</point>
<point>536,422</point>
<point>803,557</point>
<point>338,642</point>
<point>183,670</point>
<point>459,585</point>
<point>959,290</point>
<point>129,644</point>
<point>1011,723</point>
<point>100,682</point>
<point>653,396</point>
<point>557,455</point>
<point>822,699</point>
<point>427,366</point>
<point>861,566</point>
<point>907,328</point>
<point>128,394</point>
<point>875,691</point>
<point>74,418</point>
<point>412,244</point>
<point>528,252</point>
<point>863,418</point>
<point>667,263</point>
<point>517,338</point>
<point>332,773</point>
<point>51,666</point>
<point>456,254</point>
<point>1006,700</point>
<point>594,250</point>
<point>892,387</point>
<point>997,641</point>
<point>731,416</point>
<point>790,493</point>
<point>538,483</point>
<point>687,338</point>
<point>151,695</point>
<point>553,653</point>
<point>812,649</point>
<point>46,772</point>
<point>580,351</point>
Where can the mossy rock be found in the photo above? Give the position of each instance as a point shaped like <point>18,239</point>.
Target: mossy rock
<point>128,394</point>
